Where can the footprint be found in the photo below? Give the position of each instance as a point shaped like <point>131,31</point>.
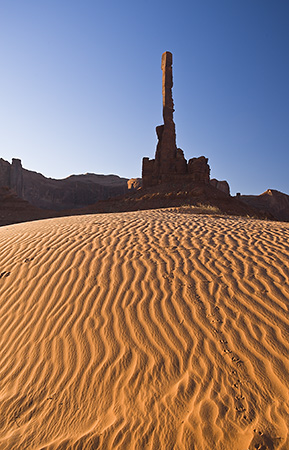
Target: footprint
<point>262,441</point>
<point>240,408</point>
<point>237,360</point>
<point>29,259</point>
<point>4,274</point>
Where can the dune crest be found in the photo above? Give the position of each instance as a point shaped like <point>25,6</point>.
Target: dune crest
<point>144,330</point>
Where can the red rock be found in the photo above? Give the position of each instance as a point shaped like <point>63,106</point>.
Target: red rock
<point>134,183</point>
<point>170,164</point>
<point>221,185</point>
<point>199,169</point>
<point>72,192</point>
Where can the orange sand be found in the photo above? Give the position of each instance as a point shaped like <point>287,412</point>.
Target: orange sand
<point>144,330</point>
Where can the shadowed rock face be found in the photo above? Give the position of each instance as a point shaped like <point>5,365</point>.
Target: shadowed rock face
<point>75,191</point>
<point>169,163</point>
<point>272,201</point>
<point>221,185</point>
<point>167,150</point>
<point>14,209</point>
<point>11,175</point>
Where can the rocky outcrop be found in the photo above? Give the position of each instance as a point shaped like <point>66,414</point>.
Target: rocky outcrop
<point>75,191</point>
<point>199,169</point>
<point>166,153</point>
<point>221,185</point>
<point>202,197</point>
<point>272,201</point>
<point>11,175</point>
<point>170,164</point>
<point>134,184</point>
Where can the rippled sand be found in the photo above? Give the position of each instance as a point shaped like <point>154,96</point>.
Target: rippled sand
<point>144,330</point>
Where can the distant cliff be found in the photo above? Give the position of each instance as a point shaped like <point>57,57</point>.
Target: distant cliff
<point>75,191</point>
<point>273,201</point>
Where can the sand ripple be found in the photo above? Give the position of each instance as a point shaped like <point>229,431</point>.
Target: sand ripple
<point>144,330</point>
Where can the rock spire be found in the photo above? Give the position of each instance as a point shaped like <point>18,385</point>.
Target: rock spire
<point>167,149</point>
<point>169,163</point>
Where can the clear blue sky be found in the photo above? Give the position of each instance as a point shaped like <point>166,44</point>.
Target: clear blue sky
<point>80,85</point>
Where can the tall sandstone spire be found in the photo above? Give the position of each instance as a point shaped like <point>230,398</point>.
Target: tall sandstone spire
<point>167,149</point>
<point>169,163</point>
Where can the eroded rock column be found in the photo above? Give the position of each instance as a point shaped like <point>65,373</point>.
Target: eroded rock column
<point>167,149</point>
<point>169,163</point>
<point>168,103</point>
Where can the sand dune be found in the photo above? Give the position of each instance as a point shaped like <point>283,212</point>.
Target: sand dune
<point>144,330</point>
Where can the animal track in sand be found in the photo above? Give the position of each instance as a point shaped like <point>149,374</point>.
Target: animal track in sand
<point>29,259</point>
<point>4,274</point>
<point>236,384</point>
<point>263,441</point>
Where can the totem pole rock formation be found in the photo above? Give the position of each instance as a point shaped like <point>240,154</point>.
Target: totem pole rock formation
<point>169,163</point>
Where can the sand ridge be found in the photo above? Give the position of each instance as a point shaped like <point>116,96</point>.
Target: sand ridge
<point>148,329</point>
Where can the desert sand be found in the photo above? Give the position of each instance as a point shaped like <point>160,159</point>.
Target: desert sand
<point>144,330</point>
